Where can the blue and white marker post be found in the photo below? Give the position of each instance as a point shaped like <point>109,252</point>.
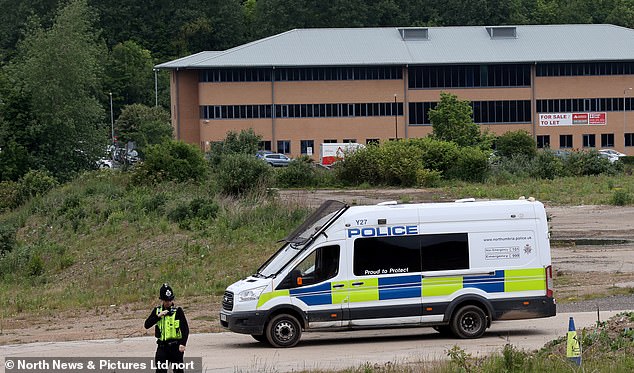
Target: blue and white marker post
<point>573,347</point>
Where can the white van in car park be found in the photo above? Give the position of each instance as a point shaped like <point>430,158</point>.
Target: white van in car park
<point>452,266</point>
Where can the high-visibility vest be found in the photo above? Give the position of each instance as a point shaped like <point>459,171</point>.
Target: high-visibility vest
<point>168,326</point>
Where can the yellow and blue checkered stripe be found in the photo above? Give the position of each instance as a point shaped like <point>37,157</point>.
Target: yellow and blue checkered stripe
<point>414,286</point>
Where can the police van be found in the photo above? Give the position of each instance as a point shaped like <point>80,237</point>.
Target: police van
<point>454,266</point>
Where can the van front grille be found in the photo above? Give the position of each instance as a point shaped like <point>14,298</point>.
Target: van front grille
<point>227,301</point>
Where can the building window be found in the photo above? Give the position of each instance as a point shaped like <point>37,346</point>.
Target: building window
<point>372,141</point>
<point>629,139</point>
<point>607,140</point>
<point>330,141</point>
<point>569,105</point>
<point>468,76</point>
<point>565,141</point>
<point>284,146</point>
<point>543,141</point>
<point>264,145</point>
<point>589,141</point>
<point>586,68</point>
<point>307,146</point>
<point>348,141</point>
<point>508,111</point>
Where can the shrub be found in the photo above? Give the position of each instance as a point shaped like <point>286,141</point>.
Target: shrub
<point>9,195</point>
<point>472,164</point>
<point>171,161</point>
<point>428,178</point>
<point>361,166</point>
<point>547,166</point>
<point>299,173</point>
<point>7,238</point>
<point>245,142</point>
<point>621,198</point>
<point>399,162</point>
<point>436,154</point>
<point>35,183</point>
<point>583,163</point>
<point>242,173</point>
<point>516,143</point>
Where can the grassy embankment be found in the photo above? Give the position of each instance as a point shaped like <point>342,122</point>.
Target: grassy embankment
<point>100,238</point>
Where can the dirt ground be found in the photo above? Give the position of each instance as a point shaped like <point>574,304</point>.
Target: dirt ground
<point>582,270</point>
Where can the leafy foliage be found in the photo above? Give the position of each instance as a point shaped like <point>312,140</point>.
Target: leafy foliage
<point>57,76</point>
<point>516,142</point>
<point>452,120</point>
<point>245,142</point>
<point>144,125</point>
<point>242,173</point>
<point>171,161</point>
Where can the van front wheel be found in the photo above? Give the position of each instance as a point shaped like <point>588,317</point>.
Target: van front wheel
<point>469,322</point>
<point>283,331</point>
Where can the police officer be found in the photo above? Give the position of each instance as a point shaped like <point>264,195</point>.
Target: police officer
<point>170,329</point>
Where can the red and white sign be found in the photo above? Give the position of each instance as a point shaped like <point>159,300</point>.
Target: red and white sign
<point>570,119</point>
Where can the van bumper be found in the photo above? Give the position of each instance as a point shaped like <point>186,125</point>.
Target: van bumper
<point>244,322</point>
<point>523,308</point>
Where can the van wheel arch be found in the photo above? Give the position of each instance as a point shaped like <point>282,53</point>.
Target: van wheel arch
<point>292,311</point>
<point>466,300</point>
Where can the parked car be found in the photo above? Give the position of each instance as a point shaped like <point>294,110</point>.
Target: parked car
<point>261,153</point>
<point>276,159</point>
<point>611,154</point>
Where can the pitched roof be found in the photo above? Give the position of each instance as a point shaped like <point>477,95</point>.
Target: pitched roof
<point>443,45</point>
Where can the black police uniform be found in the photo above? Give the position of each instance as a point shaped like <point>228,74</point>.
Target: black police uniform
<point>167,351</point>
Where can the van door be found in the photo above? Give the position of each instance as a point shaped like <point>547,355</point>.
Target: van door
<point>384,283</point>
<point>312,286</point>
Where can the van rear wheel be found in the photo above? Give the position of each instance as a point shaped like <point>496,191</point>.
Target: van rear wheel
<point>283,331</point>
<point>469,322</point>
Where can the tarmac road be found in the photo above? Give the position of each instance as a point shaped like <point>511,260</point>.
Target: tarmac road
<point>230,352</point>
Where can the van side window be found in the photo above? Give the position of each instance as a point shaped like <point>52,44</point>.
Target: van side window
<point>445,251</point>
<point>321,265</point>
<point>386,255</point>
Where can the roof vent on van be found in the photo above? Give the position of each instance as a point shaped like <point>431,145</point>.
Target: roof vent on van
<point>465,200</point>
<point>387,203</point>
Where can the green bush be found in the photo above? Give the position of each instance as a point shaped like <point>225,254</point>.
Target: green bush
<point>7,238</point>
<point>9,195</point>
<point>171,161</point>
<point>516,143</point>
<point>361,166</point>
<point>242,173</point>
<point>428,178</point>
<point>399,163</point>
<point>583,163</point>
<point>472,164</point>
<point>436,154</point>
<point>299,173</point>
<point>198,210</point>
<point>547,166</point>
<point>245,142</point>
<point>621,197</point>
<point>36,183</point>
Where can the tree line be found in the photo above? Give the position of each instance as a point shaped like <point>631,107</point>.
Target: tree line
<point>63,60</point>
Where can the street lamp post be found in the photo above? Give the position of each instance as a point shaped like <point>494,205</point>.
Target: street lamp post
<point>395,117</point>
<point>112,126</point>
<point>155,87</point>
<point>624,114</point>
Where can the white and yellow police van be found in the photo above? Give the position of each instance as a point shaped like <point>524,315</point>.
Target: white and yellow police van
<point>452,266</point>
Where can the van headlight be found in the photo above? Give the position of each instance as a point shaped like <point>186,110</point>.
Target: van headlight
<point>251,294</point>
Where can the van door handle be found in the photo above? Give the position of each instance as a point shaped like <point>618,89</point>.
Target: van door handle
<point>338,286</point>
<point>357,283</point>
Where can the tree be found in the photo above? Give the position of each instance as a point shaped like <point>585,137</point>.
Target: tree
<point>144,125</point>
<point>451,120</point>
<point>129,74</point>
<point>57,74</point>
